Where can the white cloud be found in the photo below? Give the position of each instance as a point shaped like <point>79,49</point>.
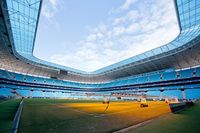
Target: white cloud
<point>85,58</point>
<point>151,24</point>
<point>133,28</point>
<point>118,30</point>
<point>127,4</point>
<point>50,8</point>
<point>132,16</point>
<point>54,2</point>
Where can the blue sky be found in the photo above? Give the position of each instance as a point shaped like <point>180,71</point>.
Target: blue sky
<point>92,34</point>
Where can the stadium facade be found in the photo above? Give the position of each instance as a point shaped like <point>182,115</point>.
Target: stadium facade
<point>173,66</point>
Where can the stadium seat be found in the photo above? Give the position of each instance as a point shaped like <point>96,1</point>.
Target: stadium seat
<point>169,76</point>
<point>186,73</point>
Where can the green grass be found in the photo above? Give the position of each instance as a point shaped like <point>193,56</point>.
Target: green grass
<point>2,100</point>
<point>187,121</point>
<point>60,116</point>
<point>7,113</point>
<point>56,101</point>
<point>44,115</point>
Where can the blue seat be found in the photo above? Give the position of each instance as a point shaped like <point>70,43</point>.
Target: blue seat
<point>142,79</point>
<point>3,74</point>
<point>29,79</point>
<point>154,78</point>
<point>198,71</point>
<point>186,73</point>
<point>18,77</point>
<point>148,77</point>
<point>39,80</point>
<point>169,75</point>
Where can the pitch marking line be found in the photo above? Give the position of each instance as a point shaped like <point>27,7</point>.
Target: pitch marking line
<point>134,126</point>
<point>5,101</point>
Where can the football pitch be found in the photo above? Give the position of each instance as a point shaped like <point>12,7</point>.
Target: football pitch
<point>8,109</point>
<point>61,115</point>
<point>186,121</point>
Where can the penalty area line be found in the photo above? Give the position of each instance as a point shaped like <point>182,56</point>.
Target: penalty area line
<point>141,124</point>
<point>134,126</point>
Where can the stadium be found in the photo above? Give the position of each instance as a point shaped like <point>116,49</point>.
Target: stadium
<point>152,92</point>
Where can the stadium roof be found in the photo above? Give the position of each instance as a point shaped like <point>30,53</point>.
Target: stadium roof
<point>21,18</point>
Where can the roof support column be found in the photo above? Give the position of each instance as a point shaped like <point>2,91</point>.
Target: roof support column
<point>43,94</point>
<point>161,94</point>
<point>183,95</point>
<point>30,93</point>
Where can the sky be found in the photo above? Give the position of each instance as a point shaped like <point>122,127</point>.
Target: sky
<point>91,34</point>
